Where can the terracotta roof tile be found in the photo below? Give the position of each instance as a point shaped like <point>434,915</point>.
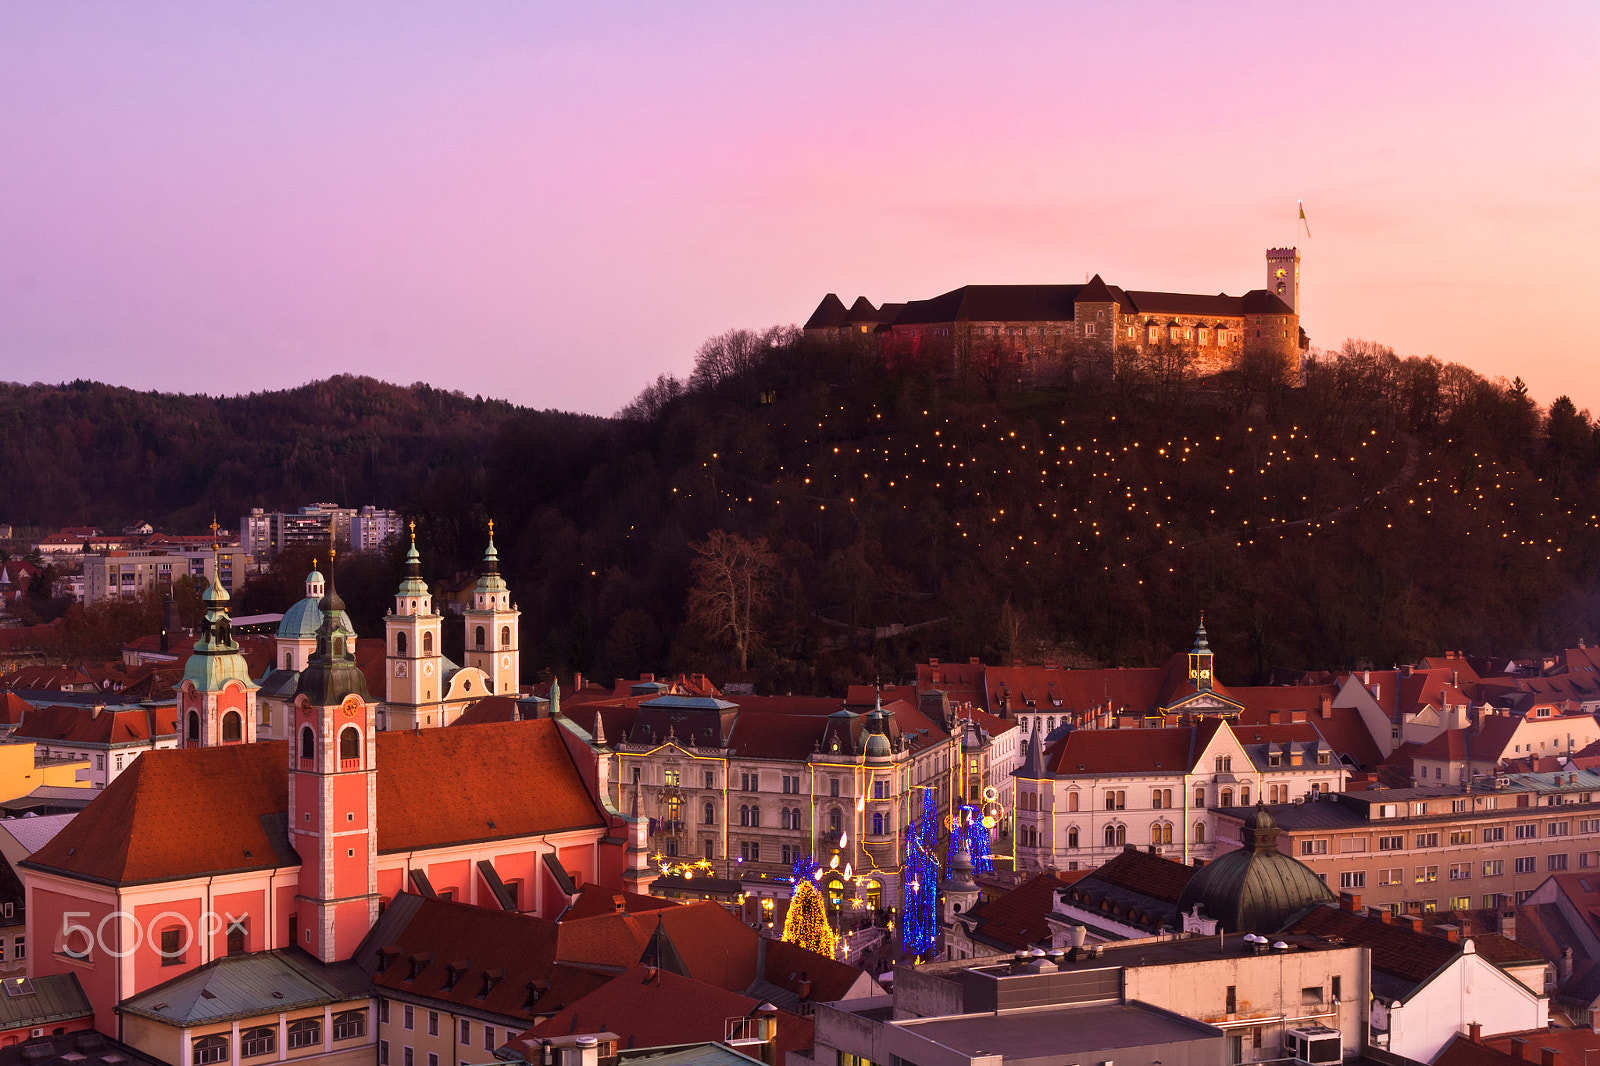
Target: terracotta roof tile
<point>435,787</point>
<point>1016,919</point>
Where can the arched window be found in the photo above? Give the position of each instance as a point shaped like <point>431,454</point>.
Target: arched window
<point>1227,798</point>
<point>232,728</point>
<point>399,643</point>
<point>349,743</point>
<point>1050,728</point>
<point>347,1025</point>
<point>744,814</point>
<point>1161,833</point>
<point>1199,797</point>
<point>338,647</point>
<point>259,1041</point>
<point>505,636</point>
<point>877,825</point>
<point>477,636</point>
<point>711,814</point>
<point>308,743</point>
<point>307,1032</point>
<point>288,661</point>
<point>1199,835</point>
<point>427,643</point>
<point>194,726</point>
<point>1072,838</point>
<point>209,1049</point>
<point>1111,836</point>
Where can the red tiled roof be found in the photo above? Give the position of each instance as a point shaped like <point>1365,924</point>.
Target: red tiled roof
<point>1399,950</point>
<point>489,709</point>
<point>1574,1045</point>
<point>1461,1051</point>
<point>1132,751</point>
<point>652,1007</point>
<point>1150,875</point>
<point>435,788</point>
<point>81,725</point>
<point>1017,918</point>
<point>594,901</point>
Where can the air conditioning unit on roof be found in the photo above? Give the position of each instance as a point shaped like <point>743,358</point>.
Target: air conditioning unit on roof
<point>1317,1045</point>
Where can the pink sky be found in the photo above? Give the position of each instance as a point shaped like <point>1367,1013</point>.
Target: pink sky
<point>554,203</point>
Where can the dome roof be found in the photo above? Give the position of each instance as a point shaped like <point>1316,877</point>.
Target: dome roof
<point>301,621</point>
<point>878,747</point>
<point>1257,888</point>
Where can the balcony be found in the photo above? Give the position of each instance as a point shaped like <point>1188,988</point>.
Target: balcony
<point>349,764</point>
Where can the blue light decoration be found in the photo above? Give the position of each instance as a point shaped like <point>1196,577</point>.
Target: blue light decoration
<point>969,827</point>
<point>805,868</point>
<point>919,917</point>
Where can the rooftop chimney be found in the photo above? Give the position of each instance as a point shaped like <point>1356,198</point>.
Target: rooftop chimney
<point>1549,1056</point>
<point>1349,901</point>
<point>1508,924</point>
<point>1519,1047</point>
<point>1327,706</point>
<point>1475,1031</point>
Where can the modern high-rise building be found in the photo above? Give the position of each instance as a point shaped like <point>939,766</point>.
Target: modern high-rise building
<point>266,533</point>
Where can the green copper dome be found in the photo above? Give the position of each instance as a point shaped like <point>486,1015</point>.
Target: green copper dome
<point>216,658</point>
<point>412,586</point>
<point>302,620</point>
<point>490,582</point>
<point>1257,888</point>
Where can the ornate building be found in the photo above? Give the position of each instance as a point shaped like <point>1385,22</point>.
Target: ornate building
<point>1053,332</point>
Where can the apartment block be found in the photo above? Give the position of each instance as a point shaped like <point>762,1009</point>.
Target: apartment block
<point>1425,849</point>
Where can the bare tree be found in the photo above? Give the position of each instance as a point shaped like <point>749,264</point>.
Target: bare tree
<point>734,579</point>
<point>736,352</point>
<point>653,399</point>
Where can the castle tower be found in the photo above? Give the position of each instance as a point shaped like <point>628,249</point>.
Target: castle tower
<point>216,698</point>
<point>333,795</point>
<point>415,657</point>
<point>492,627</point>
<point>1283,275</point>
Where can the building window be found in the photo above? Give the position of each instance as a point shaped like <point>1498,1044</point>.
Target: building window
<point>1116,800</point>
<point>383,1053</point>
<point>1116,835</point>
<point>1427,840</point>
<point>1461,836</point>
<point>194,726</point>
<point>349,748</point>
<point>505,636</point>
<point>409,1019</point>
<point>488,1038</point>
<point>1353,879</point>
<point>466,1032</point>
<point>174,945</point>
<point>236,937</point>
<point>833,786</point>
<point>1224,764</point>
<point>711,814</point>
<point>1199,797</point>
<point>709,779</point>
<point>427,643</point>
<point>1425,874</point>
<point>347,1025</point>
<point>1527,864</point>
<point>307,1032</point>
<point>1555,862</point>
<point>1226,799</point>
<point>433,1023</point>
<point>408,1057</point>
<point>1494,834</point>
<point>478,636</point>
<point>308,743</point>
<point>1072,838</point>
<point>383,1011</point>
<point>1391,843</point>
<point>877,825</point>
<point>209,1049</point>
<point>1494,867</point>
<point>1393,876</point>
<point>1527,831</point>
<point>880,789</point>
<point>1318,846</point>
<point>262,1040</point>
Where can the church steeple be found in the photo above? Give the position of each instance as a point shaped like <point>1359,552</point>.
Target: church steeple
<point>1200,666</point>
<point>414,681</point>
<point>217,695</point>
<point>492,623</point>
<point>333,793</point>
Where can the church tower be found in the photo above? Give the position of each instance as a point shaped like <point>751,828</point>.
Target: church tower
<point>333,795</point>
<point>492,627</point>
<point>1200,666</point>
<point>414,679</point>
<point>216,698</point>
<point>1283,275</point>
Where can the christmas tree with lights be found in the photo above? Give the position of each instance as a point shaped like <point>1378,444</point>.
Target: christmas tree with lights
<point>807,922</point>
<point>919,916</point>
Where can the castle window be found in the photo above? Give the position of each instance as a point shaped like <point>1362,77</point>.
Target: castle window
<point>399,643</point>
<point>1088,329</point>
<point>477,637</point>
<point>232,728</point>
<point>308,744</point>
<point>1203,335</point>
<point>427,643</point>
<point>1155,334</point>
<point>505,636</point>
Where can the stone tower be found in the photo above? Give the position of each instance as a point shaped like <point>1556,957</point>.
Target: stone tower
<point>414,680</point>
<point>1283,275</point>
<point>492,627</point>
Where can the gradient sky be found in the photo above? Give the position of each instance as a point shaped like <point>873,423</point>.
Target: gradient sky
<point>552,203</point>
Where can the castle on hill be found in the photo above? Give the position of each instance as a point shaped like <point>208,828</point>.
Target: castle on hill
<point>1051,333</point>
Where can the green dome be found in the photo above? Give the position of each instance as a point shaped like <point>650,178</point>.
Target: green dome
<point>301,621</point>
<point>1257,888</point>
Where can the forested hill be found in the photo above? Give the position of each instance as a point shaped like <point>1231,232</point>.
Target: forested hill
<point>1387,509</point>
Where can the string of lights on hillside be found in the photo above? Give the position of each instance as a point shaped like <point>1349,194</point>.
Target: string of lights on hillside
<point>1036,490</point>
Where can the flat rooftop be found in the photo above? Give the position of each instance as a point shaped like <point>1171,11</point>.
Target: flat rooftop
<point>1054,1032</point>
<point>1162,951</point>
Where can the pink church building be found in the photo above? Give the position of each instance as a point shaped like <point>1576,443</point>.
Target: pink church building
<point>231,844</point>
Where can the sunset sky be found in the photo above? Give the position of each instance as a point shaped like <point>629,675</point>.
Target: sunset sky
<point>552,203</point>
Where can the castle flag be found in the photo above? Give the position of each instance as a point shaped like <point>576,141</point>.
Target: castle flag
<point>1302,204</point>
